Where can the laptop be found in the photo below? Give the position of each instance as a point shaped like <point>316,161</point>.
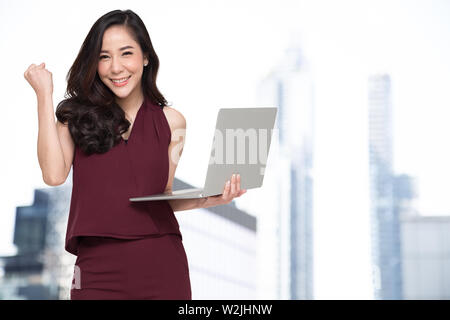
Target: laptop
<point>241,145</point>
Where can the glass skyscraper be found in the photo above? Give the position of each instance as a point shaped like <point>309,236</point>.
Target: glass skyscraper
<point>385,229</point>
<point>289,87</point>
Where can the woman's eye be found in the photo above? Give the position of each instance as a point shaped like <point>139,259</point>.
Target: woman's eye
<point>127,52</point>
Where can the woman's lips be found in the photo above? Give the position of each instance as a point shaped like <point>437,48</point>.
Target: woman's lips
<point>121,84</point>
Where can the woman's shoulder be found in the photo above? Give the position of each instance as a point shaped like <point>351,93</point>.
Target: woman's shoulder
<point>175,118</point>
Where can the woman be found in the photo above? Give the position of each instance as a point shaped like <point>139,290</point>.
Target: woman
<point>115,129</point>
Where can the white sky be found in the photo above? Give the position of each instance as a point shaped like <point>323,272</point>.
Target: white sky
<point>212,55</point>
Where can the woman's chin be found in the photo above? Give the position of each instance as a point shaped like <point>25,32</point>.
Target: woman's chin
<point>121,94</point>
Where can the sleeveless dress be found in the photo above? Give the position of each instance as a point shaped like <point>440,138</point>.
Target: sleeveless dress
<point>124,249</point>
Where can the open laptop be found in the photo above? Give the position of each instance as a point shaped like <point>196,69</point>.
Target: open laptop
<point>241,145</point>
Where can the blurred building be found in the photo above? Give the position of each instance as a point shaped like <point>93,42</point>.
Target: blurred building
<point>405,195</point>
<point>289,87</point>
<point>385,229</point>
<point>426,257</point>
<point>425,247</point>
<point>220,243</point>
<point>35,271</point>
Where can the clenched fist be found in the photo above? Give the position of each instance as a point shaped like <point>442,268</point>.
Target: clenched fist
<point>40,79</point>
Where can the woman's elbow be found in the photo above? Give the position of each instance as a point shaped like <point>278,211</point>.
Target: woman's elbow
<point>52,181</point>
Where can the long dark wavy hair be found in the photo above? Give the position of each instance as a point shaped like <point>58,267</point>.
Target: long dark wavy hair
<point>96,122</point>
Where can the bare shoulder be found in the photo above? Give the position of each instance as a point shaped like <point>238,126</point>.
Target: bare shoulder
<point>175,118</point>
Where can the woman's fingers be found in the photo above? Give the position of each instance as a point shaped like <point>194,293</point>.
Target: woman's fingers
<point>233,188</point>
<point>238,184</point>
<point>233,185</point>
<point>33,66</point>
<point>39,78</point>
<point>226,192</point>
<point>28,69</point>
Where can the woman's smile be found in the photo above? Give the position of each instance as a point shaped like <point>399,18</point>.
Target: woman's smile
<point>120,82</point>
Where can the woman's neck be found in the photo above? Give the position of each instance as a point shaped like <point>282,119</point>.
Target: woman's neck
<point>131,104</point>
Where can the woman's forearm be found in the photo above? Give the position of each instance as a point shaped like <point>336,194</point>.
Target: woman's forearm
<point>50,154</point>
<point>187,204</point>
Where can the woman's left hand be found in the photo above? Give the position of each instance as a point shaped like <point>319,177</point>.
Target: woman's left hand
<point>231,190</point>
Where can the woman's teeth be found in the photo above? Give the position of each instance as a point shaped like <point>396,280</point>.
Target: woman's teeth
<point>120,83</point>
<point>121,80</point>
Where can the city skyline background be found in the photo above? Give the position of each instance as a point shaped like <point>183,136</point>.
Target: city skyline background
<point>231,46</point>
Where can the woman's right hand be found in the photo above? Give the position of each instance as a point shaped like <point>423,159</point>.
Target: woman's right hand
<point>40,79</point>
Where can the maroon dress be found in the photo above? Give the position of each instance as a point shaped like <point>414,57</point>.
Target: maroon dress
<point>124,249</point>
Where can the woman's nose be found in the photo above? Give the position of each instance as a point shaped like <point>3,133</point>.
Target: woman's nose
<point>116,66</point>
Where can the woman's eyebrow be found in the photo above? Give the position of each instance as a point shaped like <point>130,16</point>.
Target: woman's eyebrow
<point>121,49</point>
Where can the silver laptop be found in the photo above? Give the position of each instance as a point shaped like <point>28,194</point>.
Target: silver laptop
<point>241,145</point>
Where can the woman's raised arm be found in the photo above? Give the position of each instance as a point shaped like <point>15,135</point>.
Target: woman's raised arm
<point>55,147</point>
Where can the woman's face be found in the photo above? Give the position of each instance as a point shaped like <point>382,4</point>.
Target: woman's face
<point>121,58</point>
